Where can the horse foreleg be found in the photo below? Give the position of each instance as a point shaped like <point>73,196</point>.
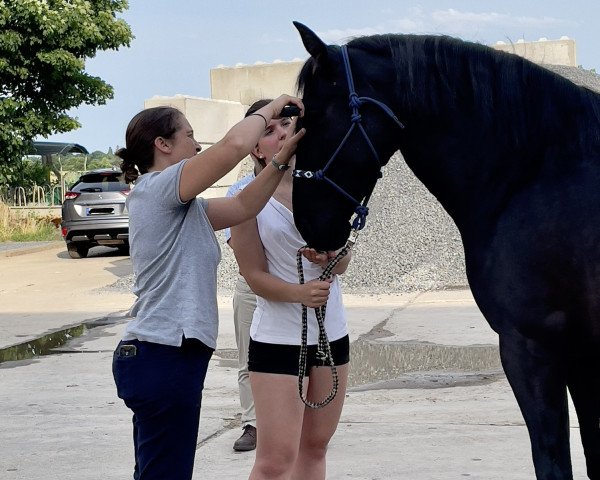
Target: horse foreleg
<point>538,379</point>
<point>584,385</point>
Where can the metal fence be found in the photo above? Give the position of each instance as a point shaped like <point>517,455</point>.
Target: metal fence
<point>35,196</point>
<point>49,195</point>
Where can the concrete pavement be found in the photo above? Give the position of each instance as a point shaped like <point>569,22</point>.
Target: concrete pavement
<point>428,400</point>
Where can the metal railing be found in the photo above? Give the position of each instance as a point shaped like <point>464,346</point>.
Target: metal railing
<point>19,197</point>
<point>34,196</point>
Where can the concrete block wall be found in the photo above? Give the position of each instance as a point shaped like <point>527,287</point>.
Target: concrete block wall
<point>545,52</point>
<point>249,83</point>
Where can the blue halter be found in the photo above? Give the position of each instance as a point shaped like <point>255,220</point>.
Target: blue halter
<point>356,102</point>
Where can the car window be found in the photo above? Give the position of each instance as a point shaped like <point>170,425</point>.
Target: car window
<point>100,183</point>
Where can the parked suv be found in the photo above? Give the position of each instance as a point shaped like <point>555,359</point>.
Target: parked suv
<point>94,212</point>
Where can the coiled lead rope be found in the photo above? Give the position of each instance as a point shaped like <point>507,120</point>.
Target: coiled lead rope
<point>323,346</point>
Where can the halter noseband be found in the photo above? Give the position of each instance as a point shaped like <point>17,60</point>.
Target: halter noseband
<point>356,102</point>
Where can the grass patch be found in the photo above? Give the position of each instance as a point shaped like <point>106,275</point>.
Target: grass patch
<point>17,228</point>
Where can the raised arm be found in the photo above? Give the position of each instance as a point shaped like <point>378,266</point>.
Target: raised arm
<point>225,212</point>
<point>205,168</point>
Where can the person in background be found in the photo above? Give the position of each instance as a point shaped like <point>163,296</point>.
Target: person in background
<point>160,365</point>
<point>292,439</point>
<point>244,303</point>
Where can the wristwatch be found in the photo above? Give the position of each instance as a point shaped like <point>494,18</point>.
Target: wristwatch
<point>282,167</point>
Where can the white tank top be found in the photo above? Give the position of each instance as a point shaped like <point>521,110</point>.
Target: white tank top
<point>280,322</point>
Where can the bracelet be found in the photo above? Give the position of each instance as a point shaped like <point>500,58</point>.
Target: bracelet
<point>261,116</point>
<point>282,167</point>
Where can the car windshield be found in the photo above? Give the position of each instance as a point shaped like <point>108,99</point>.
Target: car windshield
<point>100,183</point>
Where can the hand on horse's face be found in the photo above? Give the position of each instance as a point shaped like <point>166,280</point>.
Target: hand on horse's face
<point>289,146</point>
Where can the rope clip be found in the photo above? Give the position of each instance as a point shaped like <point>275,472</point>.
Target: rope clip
<point>352,238</point>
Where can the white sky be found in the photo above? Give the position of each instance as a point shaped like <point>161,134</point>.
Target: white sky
<point>177,42</point>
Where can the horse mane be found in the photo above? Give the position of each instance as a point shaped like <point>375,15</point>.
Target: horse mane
<point>518,98</point>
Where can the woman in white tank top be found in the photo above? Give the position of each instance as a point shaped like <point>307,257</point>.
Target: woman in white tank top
<point>292,439</point>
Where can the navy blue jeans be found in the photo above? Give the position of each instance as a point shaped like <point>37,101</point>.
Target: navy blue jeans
<point>162,385</point>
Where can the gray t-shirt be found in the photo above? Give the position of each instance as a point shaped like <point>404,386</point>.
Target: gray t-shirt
<point>175,255</point>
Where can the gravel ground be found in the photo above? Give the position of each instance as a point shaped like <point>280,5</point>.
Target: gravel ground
<point>408,244</point>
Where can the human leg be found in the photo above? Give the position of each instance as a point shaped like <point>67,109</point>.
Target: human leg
<point>319,425</point>
<point>279,413</point>
<point>162,385</point>
<point>244,304</point>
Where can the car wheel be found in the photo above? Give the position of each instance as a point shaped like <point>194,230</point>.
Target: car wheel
<point>78,250</point>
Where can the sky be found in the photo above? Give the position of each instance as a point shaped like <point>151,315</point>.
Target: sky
<point>178,42</point>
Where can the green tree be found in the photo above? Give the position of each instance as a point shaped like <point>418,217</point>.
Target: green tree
<point>43,48</point>
<point>25,173</point>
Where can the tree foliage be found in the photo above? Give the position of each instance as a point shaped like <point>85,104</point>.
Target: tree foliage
<point>30,170</point>
<point>79,163</point>
<point>43,48</point>
<point>24,173</point>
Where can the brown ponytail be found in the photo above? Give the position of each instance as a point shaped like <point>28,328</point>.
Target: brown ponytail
<point>127,165</point>
<point>143,129</point>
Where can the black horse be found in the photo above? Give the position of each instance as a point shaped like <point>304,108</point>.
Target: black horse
<point>512,152</point>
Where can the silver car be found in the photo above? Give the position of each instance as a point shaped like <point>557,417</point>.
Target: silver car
<point>94,212</point>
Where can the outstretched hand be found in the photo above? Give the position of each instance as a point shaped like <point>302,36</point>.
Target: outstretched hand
<point>319,258</point>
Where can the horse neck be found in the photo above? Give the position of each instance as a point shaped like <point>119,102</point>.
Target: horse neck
<point>460,178</point>
<point>474,150</point>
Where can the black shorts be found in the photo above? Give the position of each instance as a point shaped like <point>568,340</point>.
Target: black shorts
<point>277,358</point>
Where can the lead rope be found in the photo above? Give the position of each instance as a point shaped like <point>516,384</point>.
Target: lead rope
<point>323,346</point>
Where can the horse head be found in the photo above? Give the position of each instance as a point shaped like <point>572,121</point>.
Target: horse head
<point>339,160</point>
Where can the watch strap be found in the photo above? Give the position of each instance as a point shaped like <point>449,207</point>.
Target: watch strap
<point>282,167</point>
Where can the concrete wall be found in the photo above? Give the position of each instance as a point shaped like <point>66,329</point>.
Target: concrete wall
<point>248,83</point>
<point>209,118</point>
<point>549,52</point>
<point>233,90</point>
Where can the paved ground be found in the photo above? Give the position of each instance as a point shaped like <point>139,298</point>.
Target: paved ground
<point>12,249</point>
<point>428,400</point>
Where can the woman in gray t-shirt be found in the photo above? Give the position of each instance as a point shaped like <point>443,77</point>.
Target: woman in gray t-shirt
<point>160,364</point>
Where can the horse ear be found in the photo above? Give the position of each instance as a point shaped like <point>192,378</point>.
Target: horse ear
<point>313,44</point>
